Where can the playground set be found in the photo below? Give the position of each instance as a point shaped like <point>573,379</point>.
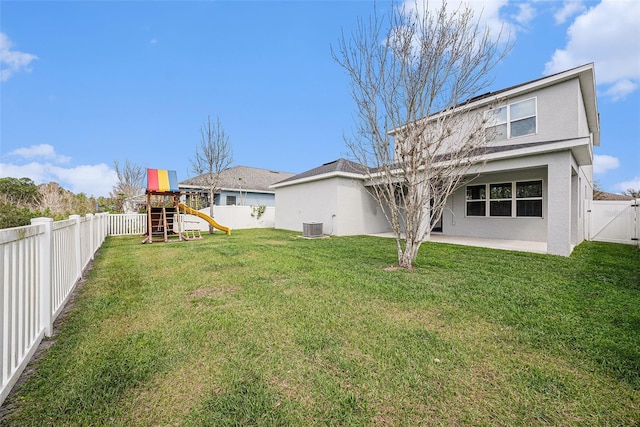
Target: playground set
<point>164,207</point>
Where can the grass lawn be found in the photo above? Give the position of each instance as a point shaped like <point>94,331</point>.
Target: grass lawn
<point>264,328</point>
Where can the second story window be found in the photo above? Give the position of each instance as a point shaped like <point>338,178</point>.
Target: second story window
<point>510,121</point>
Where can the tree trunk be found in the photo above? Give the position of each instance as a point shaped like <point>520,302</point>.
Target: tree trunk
<point>211,199</point>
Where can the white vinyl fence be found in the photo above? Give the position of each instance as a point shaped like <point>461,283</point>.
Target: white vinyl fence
<point>234,217</point>
<point>615,221</point>
<point>127,224</point>
<point>40,266</point>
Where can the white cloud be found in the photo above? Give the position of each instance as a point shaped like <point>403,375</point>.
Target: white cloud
<point>35,171</point>
<point>487,12</point>
<point>42,151</point>
<point>568,10</point>
<point>45,166</point>
<point>620,89</point>
<point>633,184</point>
<point>97,180</point>
<point>93,180</point>
<point>526,13</point>
<point>12,61</point>
<point>604,162</point>
<point>608,35</point>
<point>153,41</point>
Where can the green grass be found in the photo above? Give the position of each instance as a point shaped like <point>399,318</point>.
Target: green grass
<point>264,328</point>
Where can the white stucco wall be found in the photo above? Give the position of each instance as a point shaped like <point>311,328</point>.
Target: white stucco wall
<point>341,204</point>
<point>358,212</point>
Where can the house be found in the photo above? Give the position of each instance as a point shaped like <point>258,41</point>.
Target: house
<point>239,185</point>
<point>535,182</point>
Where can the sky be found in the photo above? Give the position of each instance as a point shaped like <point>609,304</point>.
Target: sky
<point>86,83</point>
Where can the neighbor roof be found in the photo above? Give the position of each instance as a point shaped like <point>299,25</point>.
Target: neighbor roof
<point>241,178</point>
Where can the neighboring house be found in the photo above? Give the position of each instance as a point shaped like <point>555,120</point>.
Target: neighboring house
<point>239,185</point>
<point>535,184</point>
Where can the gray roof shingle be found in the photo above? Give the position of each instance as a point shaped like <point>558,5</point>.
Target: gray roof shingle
<point>243,177</point>
<point>340,165</point>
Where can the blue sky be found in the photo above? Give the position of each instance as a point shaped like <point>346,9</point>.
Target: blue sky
<point>85,84</point>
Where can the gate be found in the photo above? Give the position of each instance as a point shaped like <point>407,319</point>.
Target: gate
<point>615,221</point>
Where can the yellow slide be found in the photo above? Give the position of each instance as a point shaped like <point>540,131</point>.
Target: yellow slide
<point>206,217</point>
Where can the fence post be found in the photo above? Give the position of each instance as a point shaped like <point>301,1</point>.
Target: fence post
<point>92,236</point>
<point>77,244</point>
<point>45,273</point>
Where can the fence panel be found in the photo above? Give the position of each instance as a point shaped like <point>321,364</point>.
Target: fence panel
<point>40,265</point>
<point>126,224</point>
<point>615,221</point>
<point>20,299</point>
<point>65,264</point>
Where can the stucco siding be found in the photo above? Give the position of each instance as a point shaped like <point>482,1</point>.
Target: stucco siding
<point>358,212</point>
<point>309,202</point>
<point>342,205</point>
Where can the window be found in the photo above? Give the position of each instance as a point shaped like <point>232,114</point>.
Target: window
<point>529,198</point>
<point>476,205</point>
<point>500,199</point>
<point>510,121</point>
<point>524,198</point>
<point>231,200</point>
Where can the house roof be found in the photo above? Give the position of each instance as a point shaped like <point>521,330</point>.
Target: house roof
<point>241,178</point>
<point>338,167</point>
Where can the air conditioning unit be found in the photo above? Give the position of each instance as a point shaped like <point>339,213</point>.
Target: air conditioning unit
<point>312,229</point>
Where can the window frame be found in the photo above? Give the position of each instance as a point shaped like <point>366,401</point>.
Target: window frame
<point>227,201</point>
<point>494,123</point>
<point>488,199</point>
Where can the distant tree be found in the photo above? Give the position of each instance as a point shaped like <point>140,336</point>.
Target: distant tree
<point>213,155</point>
<point>55,199</point>
<point>410,77</point>
<point>12,215</point>
<point>19,191</point>
<point>130,183</point>
<point>82,205</point>
<point>632,193</point>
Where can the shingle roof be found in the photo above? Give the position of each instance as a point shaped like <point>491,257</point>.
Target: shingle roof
<point>603,195</point>
<point>242,177</point>
<point>340,165</point>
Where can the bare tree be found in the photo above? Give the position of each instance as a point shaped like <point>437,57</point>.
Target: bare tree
<point>213,155</point>
<point>411,74</point>
<point>130,183</point>
<point>55,198</point>
<point>632,192</point>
